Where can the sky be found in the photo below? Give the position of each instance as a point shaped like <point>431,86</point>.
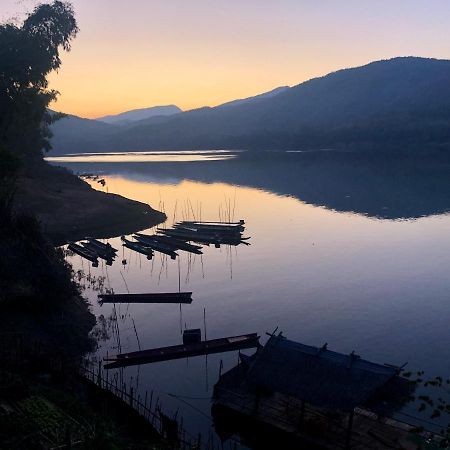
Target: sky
<point>192,53</point>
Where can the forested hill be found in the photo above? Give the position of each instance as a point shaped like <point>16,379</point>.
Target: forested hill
<point>398,103</point>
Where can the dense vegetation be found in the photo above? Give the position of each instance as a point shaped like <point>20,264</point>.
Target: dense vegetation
<point>36,286</point>
<point>398,104</point>
<point>28,53</point>
<point>45,322</point>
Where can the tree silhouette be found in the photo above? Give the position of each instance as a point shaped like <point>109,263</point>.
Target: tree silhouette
<point>28,53</point>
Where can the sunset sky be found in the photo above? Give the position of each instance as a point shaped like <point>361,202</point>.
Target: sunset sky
<point>138,53</point>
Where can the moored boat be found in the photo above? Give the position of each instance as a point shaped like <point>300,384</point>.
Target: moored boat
<point>107,256</point>
<point>157,297</point>
<point>158,246</point>
<point>137,247</point>
<point>107,248</point>
<point>177,244</point>
<point>220,345</point>
<point>84,252</point>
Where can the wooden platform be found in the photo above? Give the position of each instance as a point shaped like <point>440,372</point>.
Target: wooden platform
<point>314,427</point>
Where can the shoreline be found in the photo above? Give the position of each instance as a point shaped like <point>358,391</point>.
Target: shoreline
<point>69,209</point>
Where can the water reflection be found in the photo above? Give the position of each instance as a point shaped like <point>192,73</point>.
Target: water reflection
<point>379,287</point>
<point>143,157</point>
<point>388,188</point>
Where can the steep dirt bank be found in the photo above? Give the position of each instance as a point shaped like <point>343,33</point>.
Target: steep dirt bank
<point>69,209</point>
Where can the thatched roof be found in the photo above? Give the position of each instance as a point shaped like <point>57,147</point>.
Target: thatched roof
<point>316,375</point>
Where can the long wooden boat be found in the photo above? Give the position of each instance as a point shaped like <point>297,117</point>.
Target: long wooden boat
<point>157,297</point>
<point>108,248</point>
<point>241,222</point>
<point>191,235</point>
<point>137,247</point>
<point>158,246</point>
<point>220,345</point>
<point>185,233</point>
<point>177,244</point>
<point>209,232</point>
<point>84,252</point>
<point>209,227</point>
<point>107,256</point>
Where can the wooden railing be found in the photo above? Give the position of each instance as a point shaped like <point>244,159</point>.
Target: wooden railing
<point>148,407</point>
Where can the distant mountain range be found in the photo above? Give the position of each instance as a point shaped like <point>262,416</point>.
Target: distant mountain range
<point>401,103</point>
<point>136,115</point>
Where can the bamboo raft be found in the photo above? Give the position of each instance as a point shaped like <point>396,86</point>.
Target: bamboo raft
<point>159,297</point>
<point>212,346</point>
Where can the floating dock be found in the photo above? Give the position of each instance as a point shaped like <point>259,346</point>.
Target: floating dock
<point>183,351</point>
<point>159,297</point>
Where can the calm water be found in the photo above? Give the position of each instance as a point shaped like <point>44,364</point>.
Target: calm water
<point>342,251</point>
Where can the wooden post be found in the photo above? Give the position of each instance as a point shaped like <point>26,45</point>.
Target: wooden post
<point>349,430</point>
<point>99,377</point>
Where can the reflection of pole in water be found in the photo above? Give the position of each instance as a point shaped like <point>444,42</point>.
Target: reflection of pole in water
<point>117,330</point>
<point>175,211</point>
<point>179,276</point>
<point>229,253</point>
<point>137,379</point>
<point>153,264</point>
<point>203,269</point>
<point>160,272</point>
<point>204,323</point>
<point>123,278</point>
<point>192,210</point>
<point>135,332</point>
<point>107,277</point>
<point>206,356</point>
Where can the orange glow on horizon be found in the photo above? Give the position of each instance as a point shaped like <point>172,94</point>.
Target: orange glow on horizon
<point>144,53</point>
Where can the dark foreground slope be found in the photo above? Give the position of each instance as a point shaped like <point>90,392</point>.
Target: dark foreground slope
<point>402,103</point>
<point>69,209</point>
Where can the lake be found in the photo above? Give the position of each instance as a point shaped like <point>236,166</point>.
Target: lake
<point>345,249</point>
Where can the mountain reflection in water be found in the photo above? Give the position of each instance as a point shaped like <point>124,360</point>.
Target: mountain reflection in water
<point>377,186</point>
<point>376,286</point>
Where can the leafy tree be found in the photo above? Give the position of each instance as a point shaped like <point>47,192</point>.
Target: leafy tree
<point>437,403</point>
<point>28,53</point>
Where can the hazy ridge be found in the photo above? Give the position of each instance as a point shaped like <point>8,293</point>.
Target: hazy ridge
<point>399,103</point>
